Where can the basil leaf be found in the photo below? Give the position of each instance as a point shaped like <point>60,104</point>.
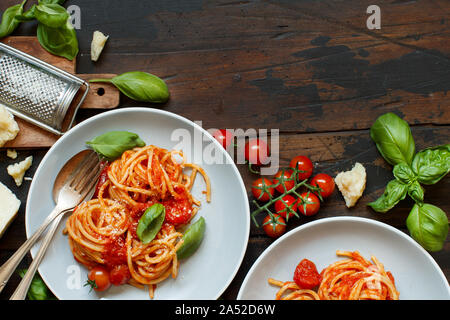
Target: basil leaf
<point>395,192</point>
<point>432,164</point>
<point>9,22</point>
<point>416,192</point>
<point>112,144</point>
<point>60,41</point>
<point>428,225</point>
<point>27,15</point>
<point>393,138</point>
<point>140,86</point>
<point>52,15</point>
<point>38,290</point>
<point>150,223</point>
<point>192,239</point>
<point>404,173</point>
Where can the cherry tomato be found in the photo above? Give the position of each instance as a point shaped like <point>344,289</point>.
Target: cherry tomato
<point>281,178</point>
<point>98,279</point>
<point>225,137</point>
<point>306,275</point>
<point>274,227</point>
<point>308,204</point>
<point>119,274</point>
<point>304,164</point>
<point>282,208</point>
<point>325,182</point>
<point>262,195</point>
<point>178,211</point>
<point>256,152</point>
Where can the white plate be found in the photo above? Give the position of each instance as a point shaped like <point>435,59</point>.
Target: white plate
<point>207,273</point>
<point>417,275</point>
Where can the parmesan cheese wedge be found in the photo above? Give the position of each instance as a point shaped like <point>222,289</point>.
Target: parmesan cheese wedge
<point>352,184</point>
<point>8,126</point>
<point>97,44</point>
<point>9,206</point>
<point>17,170</point>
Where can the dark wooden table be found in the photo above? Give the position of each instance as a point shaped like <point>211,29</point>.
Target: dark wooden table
<point>309,68</point>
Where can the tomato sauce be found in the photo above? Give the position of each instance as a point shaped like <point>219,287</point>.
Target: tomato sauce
<point>178,210</point>
<point>306,275</point>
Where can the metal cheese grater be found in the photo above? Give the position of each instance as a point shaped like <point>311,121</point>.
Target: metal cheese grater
<point>37,91</point>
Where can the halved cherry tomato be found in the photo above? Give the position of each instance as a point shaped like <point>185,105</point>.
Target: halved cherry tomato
<point>98,279</point>
<point>274,227</point>
<point>224,136</point>
<point>256,152</point>
<point>303,164</point>
<point>308,204</point>
<point>284,207</point>
<point>119,274</point>
<point>306,275</point>
<point>325,182</point>
<point>284,177</point>
<point>262,192</point>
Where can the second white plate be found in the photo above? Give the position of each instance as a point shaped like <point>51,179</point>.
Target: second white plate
<point>417,275</point>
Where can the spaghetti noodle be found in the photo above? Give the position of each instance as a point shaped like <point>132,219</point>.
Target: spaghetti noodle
<point>102,231</point>
<point>354,278</point>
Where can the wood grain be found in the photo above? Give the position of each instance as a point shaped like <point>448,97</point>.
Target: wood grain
<point>308,68</point>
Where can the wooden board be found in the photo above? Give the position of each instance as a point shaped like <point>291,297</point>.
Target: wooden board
<point>100,95</point>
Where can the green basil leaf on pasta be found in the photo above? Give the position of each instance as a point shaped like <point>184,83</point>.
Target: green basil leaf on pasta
<point>192,239</point>
<point>112,144</point>
<point>150,223</point>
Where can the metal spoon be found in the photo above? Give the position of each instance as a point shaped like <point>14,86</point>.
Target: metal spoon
<point>75,181</point>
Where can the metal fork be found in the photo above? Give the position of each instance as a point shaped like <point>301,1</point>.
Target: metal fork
<point>77,186</point>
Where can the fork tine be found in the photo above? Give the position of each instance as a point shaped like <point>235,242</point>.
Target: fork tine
<point>80,169</point>
<point>83,174</point>
<point>83,171</point>
<point>91,182</point>
<point>88,178</point>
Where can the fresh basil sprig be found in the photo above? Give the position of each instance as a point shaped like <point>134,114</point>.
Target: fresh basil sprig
<point>9,22</point>
<point>55,32</point>
<point>112,144</point>
<point>140,86</point>
<point>150,223</point>
<point>427,224</point>
<point>192,239</point>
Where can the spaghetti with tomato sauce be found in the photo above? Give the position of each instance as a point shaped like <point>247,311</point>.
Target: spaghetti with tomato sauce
<point>354,278</point>
<point>102,231</point>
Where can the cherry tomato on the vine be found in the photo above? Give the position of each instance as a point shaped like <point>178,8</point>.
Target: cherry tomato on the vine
<point>98,279</point>
<point>308,204</point>
<point>224,136</point>
<point>284,177</point>
<point>283,207</point>
<point>274,227</point>
<point>262,189</point>
<point>303,164</point>
<point>325,182</point>
<point>257,152</point>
